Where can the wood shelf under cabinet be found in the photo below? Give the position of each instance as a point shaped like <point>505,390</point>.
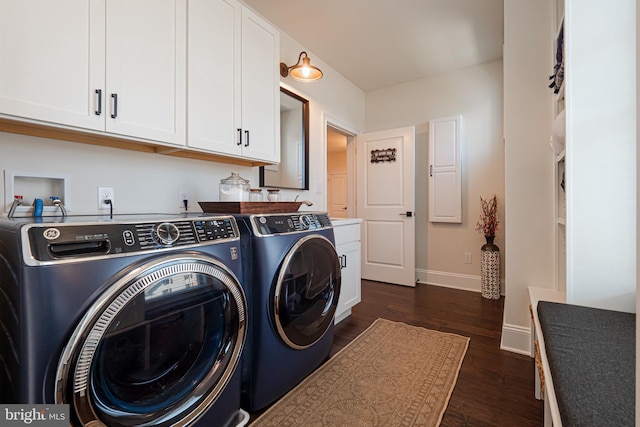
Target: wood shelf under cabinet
<point>73,135</point>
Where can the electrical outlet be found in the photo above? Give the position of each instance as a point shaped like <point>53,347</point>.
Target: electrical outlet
<point>105,193</point>
<point>183,194</point>
<point>467,258</point>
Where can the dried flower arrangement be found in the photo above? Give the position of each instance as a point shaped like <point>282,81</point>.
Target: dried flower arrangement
<point>488,222</point>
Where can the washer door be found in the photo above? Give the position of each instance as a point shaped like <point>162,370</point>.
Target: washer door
<point>158,347</point>
<point>306,292</point>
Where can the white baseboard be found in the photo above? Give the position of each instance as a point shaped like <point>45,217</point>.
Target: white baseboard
<point>449,280</point>
<point>516,339</point>
<point>445,279</point>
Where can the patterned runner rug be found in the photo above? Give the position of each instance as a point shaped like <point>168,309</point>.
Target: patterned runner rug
<point>392,374</point>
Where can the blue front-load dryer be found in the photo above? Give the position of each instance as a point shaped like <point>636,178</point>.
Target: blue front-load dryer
<point>292,282</point>
<point>130,320</point>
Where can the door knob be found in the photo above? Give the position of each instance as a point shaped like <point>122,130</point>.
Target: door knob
<point>408,214</point>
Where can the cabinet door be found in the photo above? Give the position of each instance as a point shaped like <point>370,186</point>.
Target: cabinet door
<point>146,64</point>
<point>52,60</point>
<point>350,293</point>
<point>445,183</point>
<point>260,89</point>
<point>214,75</point>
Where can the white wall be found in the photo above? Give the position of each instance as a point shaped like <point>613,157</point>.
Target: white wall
<point>637,94</point>
<point>476,93</point>
<point>149,182</point>
<point>332,96</point>
<point>601,153</point>
<point>637,217</point>
<point>528,114</point>
<point>142,182</point>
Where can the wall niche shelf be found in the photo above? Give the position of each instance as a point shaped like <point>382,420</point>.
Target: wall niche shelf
<point>32,185</point>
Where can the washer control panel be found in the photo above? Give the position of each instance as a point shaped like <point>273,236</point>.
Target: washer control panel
<point>268,225</point>
<point>65,241</point>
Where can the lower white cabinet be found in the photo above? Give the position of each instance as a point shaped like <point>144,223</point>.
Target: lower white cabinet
<point>347,235</point>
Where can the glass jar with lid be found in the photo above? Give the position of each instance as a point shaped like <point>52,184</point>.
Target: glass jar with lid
<point>234,188</point>
<point>273,195</point>
<point>255,195</point>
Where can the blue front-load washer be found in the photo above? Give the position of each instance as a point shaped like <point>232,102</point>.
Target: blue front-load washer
<point>130,320</point>
<point>292,282</point>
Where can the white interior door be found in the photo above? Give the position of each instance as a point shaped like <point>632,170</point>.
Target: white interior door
<point>386,204</point>
<point>337,195</point>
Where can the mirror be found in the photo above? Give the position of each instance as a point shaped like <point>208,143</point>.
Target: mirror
<point>293,170</point>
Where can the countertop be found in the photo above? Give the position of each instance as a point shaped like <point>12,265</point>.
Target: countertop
<point>337,222</point>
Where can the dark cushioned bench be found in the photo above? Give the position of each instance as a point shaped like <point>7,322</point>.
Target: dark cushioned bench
<point>591,354</point>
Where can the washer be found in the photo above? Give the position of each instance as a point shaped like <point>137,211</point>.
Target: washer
<point>131,320</point>
<point>292,282</point>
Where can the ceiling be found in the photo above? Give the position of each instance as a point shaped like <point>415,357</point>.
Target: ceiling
<point>381,43</point>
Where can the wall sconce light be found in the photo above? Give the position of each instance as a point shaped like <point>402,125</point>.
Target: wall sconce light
<point>302,71</point>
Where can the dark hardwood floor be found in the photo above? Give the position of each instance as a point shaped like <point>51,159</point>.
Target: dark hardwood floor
<point>494,387</point>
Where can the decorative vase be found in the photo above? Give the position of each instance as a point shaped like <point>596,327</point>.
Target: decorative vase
<point>490,269</point>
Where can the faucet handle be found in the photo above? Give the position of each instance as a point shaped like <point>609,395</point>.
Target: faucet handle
<point>17,201</point>
<point>55,201</point>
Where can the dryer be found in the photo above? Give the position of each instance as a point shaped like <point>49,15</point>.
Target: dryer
<point>131,320</point>
<point>292,283</point>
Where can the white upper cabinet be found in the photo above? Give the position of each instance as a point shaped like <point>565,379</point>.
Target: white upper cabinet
<point>260,88</point>
<point>146,69</point>
<point>114,65</point>
<point>214,75</point>
<point>233,81</point>
<point>52,56</point>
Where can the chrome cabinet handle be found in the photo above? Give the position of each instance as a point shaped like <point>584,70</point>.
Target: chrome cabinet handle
<point>99,110</point>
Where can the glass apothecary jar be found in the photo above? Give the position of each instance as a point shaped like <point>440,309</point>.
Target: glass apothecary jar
<point>234,188</point>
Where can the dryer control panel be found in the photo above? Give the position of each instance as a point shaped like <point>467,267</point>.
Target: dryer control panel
<point>268,225</point>
<point>73,241</point>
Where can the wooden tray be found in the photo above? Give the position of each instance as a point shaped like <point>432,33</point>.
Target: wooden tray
<point>249,207</point>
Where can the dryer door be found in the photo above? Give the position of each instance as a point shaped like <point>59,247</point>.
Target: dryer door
<point>158,347</point>
<point>307,291</point>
